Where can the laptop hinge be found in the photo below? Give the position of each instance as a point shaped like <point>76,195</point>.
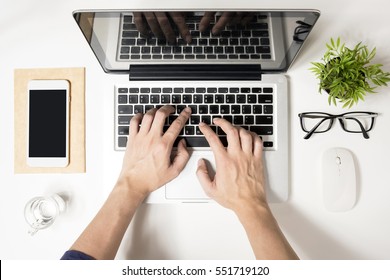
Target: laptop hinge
<point>195,72</point>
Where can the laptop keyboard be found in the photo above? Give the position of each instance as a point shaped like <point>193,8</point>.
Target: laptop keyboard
<point>251,107</point>
<point>234,42</point>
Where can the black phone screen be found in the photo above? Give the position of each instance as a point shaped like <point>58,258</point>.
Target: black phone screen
<point>47,123</point>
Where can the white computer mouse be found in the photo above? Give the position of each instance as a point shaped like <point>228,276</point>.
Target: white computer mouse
<point>338,180</point>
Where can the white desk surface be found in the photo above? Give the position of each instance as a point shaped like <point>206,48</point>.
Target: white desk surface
<point>39,34</point>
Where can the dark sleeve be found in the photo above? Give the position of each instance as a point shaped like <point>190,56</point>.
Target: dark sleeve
<point>76,255</point>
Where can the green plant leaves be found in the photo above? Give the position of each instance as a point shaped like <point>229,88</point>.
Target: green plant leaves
<point>346,73</point>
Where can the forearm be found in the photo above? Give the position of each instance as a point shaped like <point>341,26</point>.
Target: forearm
<point>102,237</point>
<point>264,234</point>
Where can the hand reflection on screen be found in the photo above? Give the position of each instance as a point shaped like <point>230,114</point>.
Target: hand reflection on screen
<point>226,19</point>
<point>159,23</point>
<point>162,24</point>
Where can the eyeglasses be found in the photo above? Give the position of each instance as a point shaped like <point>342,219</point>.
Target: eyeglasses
<point>354,122</point>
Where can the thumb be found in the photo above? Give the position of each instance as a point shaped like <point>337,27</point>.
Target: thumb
<point>181,158</point>
<point>203,176</point>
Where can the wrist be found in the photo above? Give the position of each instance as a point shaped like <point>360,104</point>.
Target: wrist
<point>250,211</point>
<point>129,193</point>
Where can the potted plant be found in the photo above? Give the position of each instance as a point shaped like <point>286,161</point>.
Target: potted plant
<point>347,75</point>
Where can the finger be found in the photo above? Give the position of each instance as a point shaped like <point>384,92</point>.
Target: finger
<point>232,133</point>
<point>160,117</point>
<point>213,140</point>
<point>134,124</point>
<point>177,125</point>
<point>246,141</point>
<point>179,20</point>
<point>141,24</point>
<point>166,27</point>
<point>247,18</point>
<point>257,146</point>
<point>204,177</point>
<point>147,121</point>
<point>154,25</point>
<point>222,22</point>
<point>181,158</point>
<point>205,21</point>
<point>237,18</point>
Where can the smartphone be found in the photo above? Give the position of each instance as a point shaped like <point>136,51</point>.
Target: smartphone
<point>48,123</point>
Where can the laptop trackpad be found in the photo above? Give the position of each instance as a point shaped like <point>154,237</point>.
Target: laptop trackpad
<point>186,186</point>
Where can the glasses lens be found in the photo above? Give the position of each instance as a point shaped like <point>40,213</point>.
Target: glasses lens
<point>311,121</point>
<point>355,122</point>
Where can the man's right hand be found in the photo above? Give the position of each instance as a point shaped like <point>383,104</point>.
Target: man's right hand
<point>239,179</point>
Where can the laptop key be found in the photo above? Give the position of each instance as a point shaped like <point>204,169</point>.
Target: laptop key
<point>238,120</point>
<point>123,130</point>
<point>214,109</point>
<point>219,98</point>
<point>249,120</point>
<point>209,98</point>
<point>189,90</point>
<point>122,142</point>
<point>251,98</point>
<point>198,98</point>
<point>194,109</point>
<point>257,109</point>
<point>138,109</point>
<point>155,99</point>
<point>134,90</point>
<point>133,99</point>
<point>241,98</point>
<point>262,130</point>
<point>230,98</point>
<point>199,141</point>
<point>206,119</point>
<point>124,120</point>
<point>187,98</point>
<point>178,90</point>
<point>236,109</point>
<point>225,109</point>
<point>268,109</point>
<point>144,99</point>
<point>265,98</point>
<point>246,109</point>
<point>189,130</point>
<point>176,98</point>
<point>203,109</point>
<point>264,120</point>
<point>122,99</point>
<point>268,144</point>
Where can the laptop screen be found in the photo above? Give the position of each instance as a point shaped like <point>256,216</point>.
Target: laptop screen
<point>122,38</point>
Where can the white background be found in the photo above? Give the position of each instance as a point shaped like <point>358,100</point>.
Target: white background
<point>39,34</point>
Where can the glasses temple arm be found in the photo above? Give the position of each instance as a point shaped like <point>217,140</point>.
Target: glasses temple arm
<point>310,133</point>
<point>365,134</point>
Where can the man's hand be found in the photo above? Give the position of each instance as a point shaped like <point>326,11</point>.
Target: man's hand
<point>147,163</point>
<point>239,179</point>
<point>159,24</point>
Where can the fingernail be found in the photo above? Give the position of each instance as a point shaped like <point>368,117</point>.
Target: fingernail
<point>187,109</point>
<point>202,124</point>
<point>200,161</point>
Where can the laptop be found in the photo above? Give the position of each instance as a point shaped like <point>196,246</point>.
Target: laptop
<point>236,74</point>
